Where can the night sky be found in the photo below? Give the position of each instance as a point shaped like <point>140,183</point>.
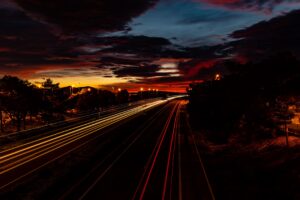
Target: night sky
<point>164,44</point>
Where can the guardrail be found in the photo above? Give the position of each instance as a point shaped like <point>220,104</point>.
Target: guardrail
<point>291,130</point>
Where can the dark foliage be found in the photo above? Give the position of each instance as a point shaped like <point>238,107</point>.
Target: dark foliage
<point>19,98</point>
<point>245,101</point>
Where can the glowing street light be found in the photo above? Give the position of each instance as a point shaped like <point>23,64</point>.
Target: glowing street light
<point>142,89</point>
<point>71,89</point>
<point>119,89</point>
<point>217,77</point>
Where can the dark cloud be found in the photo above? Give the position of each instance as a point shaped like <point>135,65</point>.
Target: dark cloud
<point>248,4</point>
<point>140,71</point>
<point>7,4</point>
<point>27,45</point>
<point>268,37</point>
<point>166,80</point>
<point>142,45</point>
<point>74,72</point>
<point>27,41</point>
<point>111,61</point>
<point>146,50</point>
<point>260,41</point>
<point>86,15</point>
<point>131,50</point>
<point>149,48</point>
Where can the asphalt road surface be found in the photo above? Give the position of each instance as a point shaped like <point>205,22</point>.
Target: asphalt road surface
<point>146,152</point>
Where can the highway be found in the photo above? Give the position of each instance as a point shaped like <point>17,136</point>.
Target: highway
<point>80,118</point>
<point>145,152</point>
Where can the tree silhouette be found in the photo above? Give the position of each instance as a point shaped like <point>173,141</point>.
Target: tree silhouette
<point>89,101</point>
<point>245,100</point>
<point>19,98</point>
<point>123,96</point>
<point>48,84</point>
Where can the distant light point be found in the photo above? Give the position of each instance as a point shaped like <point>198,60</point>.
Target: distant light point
<point>217,77</point>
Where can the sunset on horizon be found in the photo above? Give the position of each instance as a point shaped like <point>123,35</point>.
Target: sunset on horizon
<point>167,42</point>
<point>149,99</point>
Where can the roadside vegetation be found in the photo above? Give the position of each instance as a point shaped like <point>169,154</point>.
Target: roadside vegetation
<point>250,104</point>
<point>240,121</point>
<point>24,105</point>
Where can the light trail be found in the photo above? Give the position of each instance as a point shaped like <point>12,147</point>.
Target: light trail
<point>61,136</point>
<point>157,153</point>
<point>173,159</point>
<point>176,129</point>
<point>18,156</point>
<point>61,132</point>
<point>151,161</point>
<point>46,146</point>
<point>139,133</point>
<point>146,167</point>
<point>179,165</point>
<point>105,112</point>
<point>170,152</point>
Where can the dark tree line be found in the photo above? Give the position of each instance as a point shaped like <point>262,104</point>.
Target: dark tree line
<point>95,99</point>
<point>21,101</point>
<point>249,102</point>
<point>18,99</point>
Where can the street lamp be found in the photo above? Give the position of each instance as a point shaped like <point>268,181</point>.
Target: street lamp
<point>141,89</point>
<point>71,89</point>
<point>217,77</point>
<point>119,89</point>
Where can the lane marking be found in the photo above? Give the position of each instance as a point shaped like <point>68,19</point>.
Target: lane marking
<point>202,167</point>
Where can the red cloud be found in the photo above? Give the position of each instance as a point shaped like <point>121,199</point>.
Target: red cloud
<point>203,64</point>
<point>4,49</point>
<point>247,4</point>
<point>223,2</point>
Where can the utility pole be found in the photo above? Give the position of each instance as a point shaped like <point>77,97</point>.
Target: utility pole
<point>1,121</point>
<point>286,129</point>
